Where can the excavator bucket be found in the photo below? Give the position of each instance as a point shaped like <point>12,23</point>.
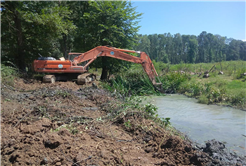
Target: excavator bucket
<point>158,86</point>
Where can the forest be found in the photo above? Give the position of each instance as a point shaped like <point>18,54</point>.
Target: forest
<point>204,48</point>
<point>33,29</point>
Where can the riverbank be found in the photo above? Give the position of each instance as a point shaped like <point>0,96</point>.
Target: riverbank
<point>66,124</point>
<point>227,89</point>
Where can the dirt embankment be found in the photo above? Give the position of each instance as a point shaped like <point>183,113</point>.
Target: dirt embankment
<point>64,124</point>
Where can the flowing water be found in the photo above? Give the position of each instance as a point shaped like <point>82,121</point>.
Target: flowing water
<point>203,122</point>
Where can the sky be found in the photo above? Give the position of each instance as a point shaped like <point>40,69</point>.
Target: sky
<point>191,18</point>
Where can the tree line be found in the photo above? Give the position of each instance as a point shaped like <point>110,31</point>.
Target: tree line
<point>203,48</point>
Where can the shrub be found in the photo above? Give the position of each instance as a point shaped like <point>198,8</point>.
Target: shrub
<point>239,99</point>
<point>172,82</point>
<point>203,99</point>
<point>133,82</point>
<point>239,73</point>
<point>151,109</point>
<point>8,74</point>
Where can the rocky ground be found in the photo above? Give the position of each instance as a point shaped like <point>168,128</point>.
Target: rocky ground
<point>67,124</point>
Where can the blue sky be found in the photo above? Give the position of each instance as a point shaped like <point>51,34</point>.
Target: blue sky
<point>191,18</point>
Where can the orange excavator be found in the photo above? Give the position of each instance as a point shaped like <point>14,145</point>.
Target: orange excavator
<point>63,69</point>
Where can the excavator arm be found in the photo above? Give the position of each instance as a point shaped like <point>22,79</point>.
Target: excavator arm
<point>121,54</point>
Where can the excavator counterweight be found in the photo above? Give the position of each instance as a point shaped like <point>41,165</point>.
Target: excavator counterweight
<point>58,68</point>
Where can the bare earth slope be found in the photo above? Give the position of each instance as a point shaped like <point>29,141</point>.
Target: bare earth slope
<point>64,124</point>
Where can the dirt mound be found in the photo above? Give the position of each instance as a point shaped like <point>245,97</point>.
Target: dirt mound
<point>66,124</point>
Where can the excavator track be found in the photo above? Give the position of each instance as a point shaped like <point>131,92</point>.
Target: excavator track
<point>85,78</point>
<point>49,79</point>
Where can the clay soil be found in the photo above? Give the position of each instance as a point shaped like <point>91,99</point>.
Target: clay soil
<point>67,124</point>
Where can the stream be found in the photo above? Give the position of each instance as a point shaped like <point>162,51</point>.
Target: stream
<point>201,122</point>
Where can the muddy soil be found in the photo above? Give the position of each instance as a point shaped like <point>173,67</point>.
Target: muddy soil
<point>68,124</point>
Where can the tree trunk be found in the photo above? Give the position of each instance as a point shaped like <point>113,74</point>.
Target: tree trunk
<point>65,55</point>
<point>104,75</point>
<point>20,51</point>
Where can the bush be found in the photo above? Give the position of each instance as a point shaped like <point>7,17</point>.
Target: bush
<point>151,109</point>
<point>8,74</point>
<point>133,82</point>
<point>239,99</point>
<point>171,82</point>
<point>239,73</point>
<point>203,99</point>
<point>194,89</point>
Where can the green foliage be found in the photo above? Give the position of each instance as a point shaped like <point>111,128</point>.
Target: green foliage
<point>239,99</point>
<point>236,84</point>
<point>114,30</point>
<point>222,89</point>
<point>239,73</point>
<point>203,48</point>
<point>166,121</point>
<point>151,109</point>
<point>203,99</point>
<point>192,88</point>
<point>171,82</point>
<point>128,124</point>
<point>32,28</point>
<point>217,95</point>
<point>8,74</point>
<point>133,82</point>
<point>113,23</point>
<point>134,105</point>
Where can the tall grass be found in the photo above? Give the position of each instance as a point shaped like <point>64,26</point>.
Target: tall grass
<point>172,81</point>
<point>132,82</point>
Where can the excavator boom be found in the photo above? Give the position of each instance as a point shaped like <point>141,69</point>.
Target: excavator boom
<point>67,66</point>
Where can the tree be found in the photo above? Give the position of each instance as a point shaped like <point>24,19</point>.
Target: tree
<point>177,42</point>
<point>78,41</point>
<point>192,49</point>
<point>203,52</point>
<point>162,55</point>
<point>112,23</point>
<point>143,44</point>
<point>243,50</point>
<point>154,46</point>
<point>169,47</point>
<point>32,28</point>
<point>234,50</point>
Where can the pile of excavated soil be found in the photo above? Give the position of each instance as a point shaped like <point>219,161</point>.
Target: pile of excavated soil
<point>67,124</point>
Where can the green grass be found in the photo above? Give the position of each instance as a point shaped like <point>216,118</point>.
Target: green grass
<point>236,84</point>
